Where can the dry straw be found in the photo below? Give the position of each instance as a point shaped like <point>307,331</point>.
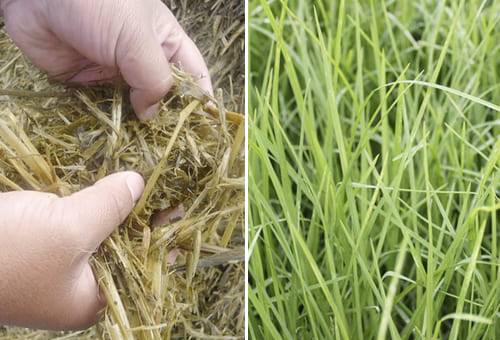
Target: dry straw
<point>175,268</point>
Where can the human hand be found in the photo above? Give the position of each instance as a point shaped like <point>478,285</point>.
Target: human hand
<point>45,245</point>
<point>89,41</point>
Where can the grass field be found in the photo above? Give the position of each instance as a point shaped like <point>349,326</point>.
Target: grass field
<point>374,169</point>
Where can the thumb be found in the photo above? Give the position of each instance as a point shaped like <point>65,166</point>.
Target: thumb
<point>145,68</point>
<point>96,211</point>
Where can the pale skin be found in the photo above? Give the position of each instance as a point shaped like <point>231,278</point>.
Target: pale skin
<point>46,241</point>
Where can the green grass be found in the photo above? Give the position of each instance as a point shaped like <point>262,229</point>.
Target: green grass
<point>374,169</point>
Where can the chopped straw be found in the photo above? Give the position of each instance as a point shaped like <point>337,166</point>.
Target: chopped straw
<point>174,269</point>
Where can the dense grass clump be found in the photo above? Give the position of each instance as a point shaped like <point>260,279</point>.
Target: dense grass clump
<point>374,179</point>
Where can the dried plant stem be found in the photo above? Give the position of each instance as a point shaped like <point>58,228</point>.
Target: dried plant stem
<point>184,114</point>
<point>233,117</point>
<point>4,180</point>
<point>28,153</point>
<point>33,94</point>
<point>239,138</point>
<point>116,306</point>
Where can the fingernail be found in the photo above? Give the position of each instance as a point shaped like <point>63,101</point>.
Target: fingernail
<point>135,185</point>
<point>151,111</point>
<point>210,104</point>
<point>206,84</point>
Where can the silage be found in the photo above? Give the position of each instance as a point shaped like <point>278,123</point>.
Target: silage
<point>174,268</point>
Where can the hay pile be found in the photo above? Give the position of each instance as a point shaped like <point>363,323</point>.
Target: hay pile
<point>175,268</point>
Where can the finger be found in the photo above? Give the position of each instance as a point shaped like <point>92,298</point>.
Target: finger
<point>180,49</point>
<point>145,68</point>
<point>97,210</point>
<point>93,74</point>
<point>84,302</point>
<point>189,57</point>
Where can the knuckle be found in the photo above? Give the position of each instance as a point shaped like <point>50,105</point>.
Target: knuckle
<point>55,214</point>
<point>67,228</point>
<point>174,40</point>
<point>114,208</point>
